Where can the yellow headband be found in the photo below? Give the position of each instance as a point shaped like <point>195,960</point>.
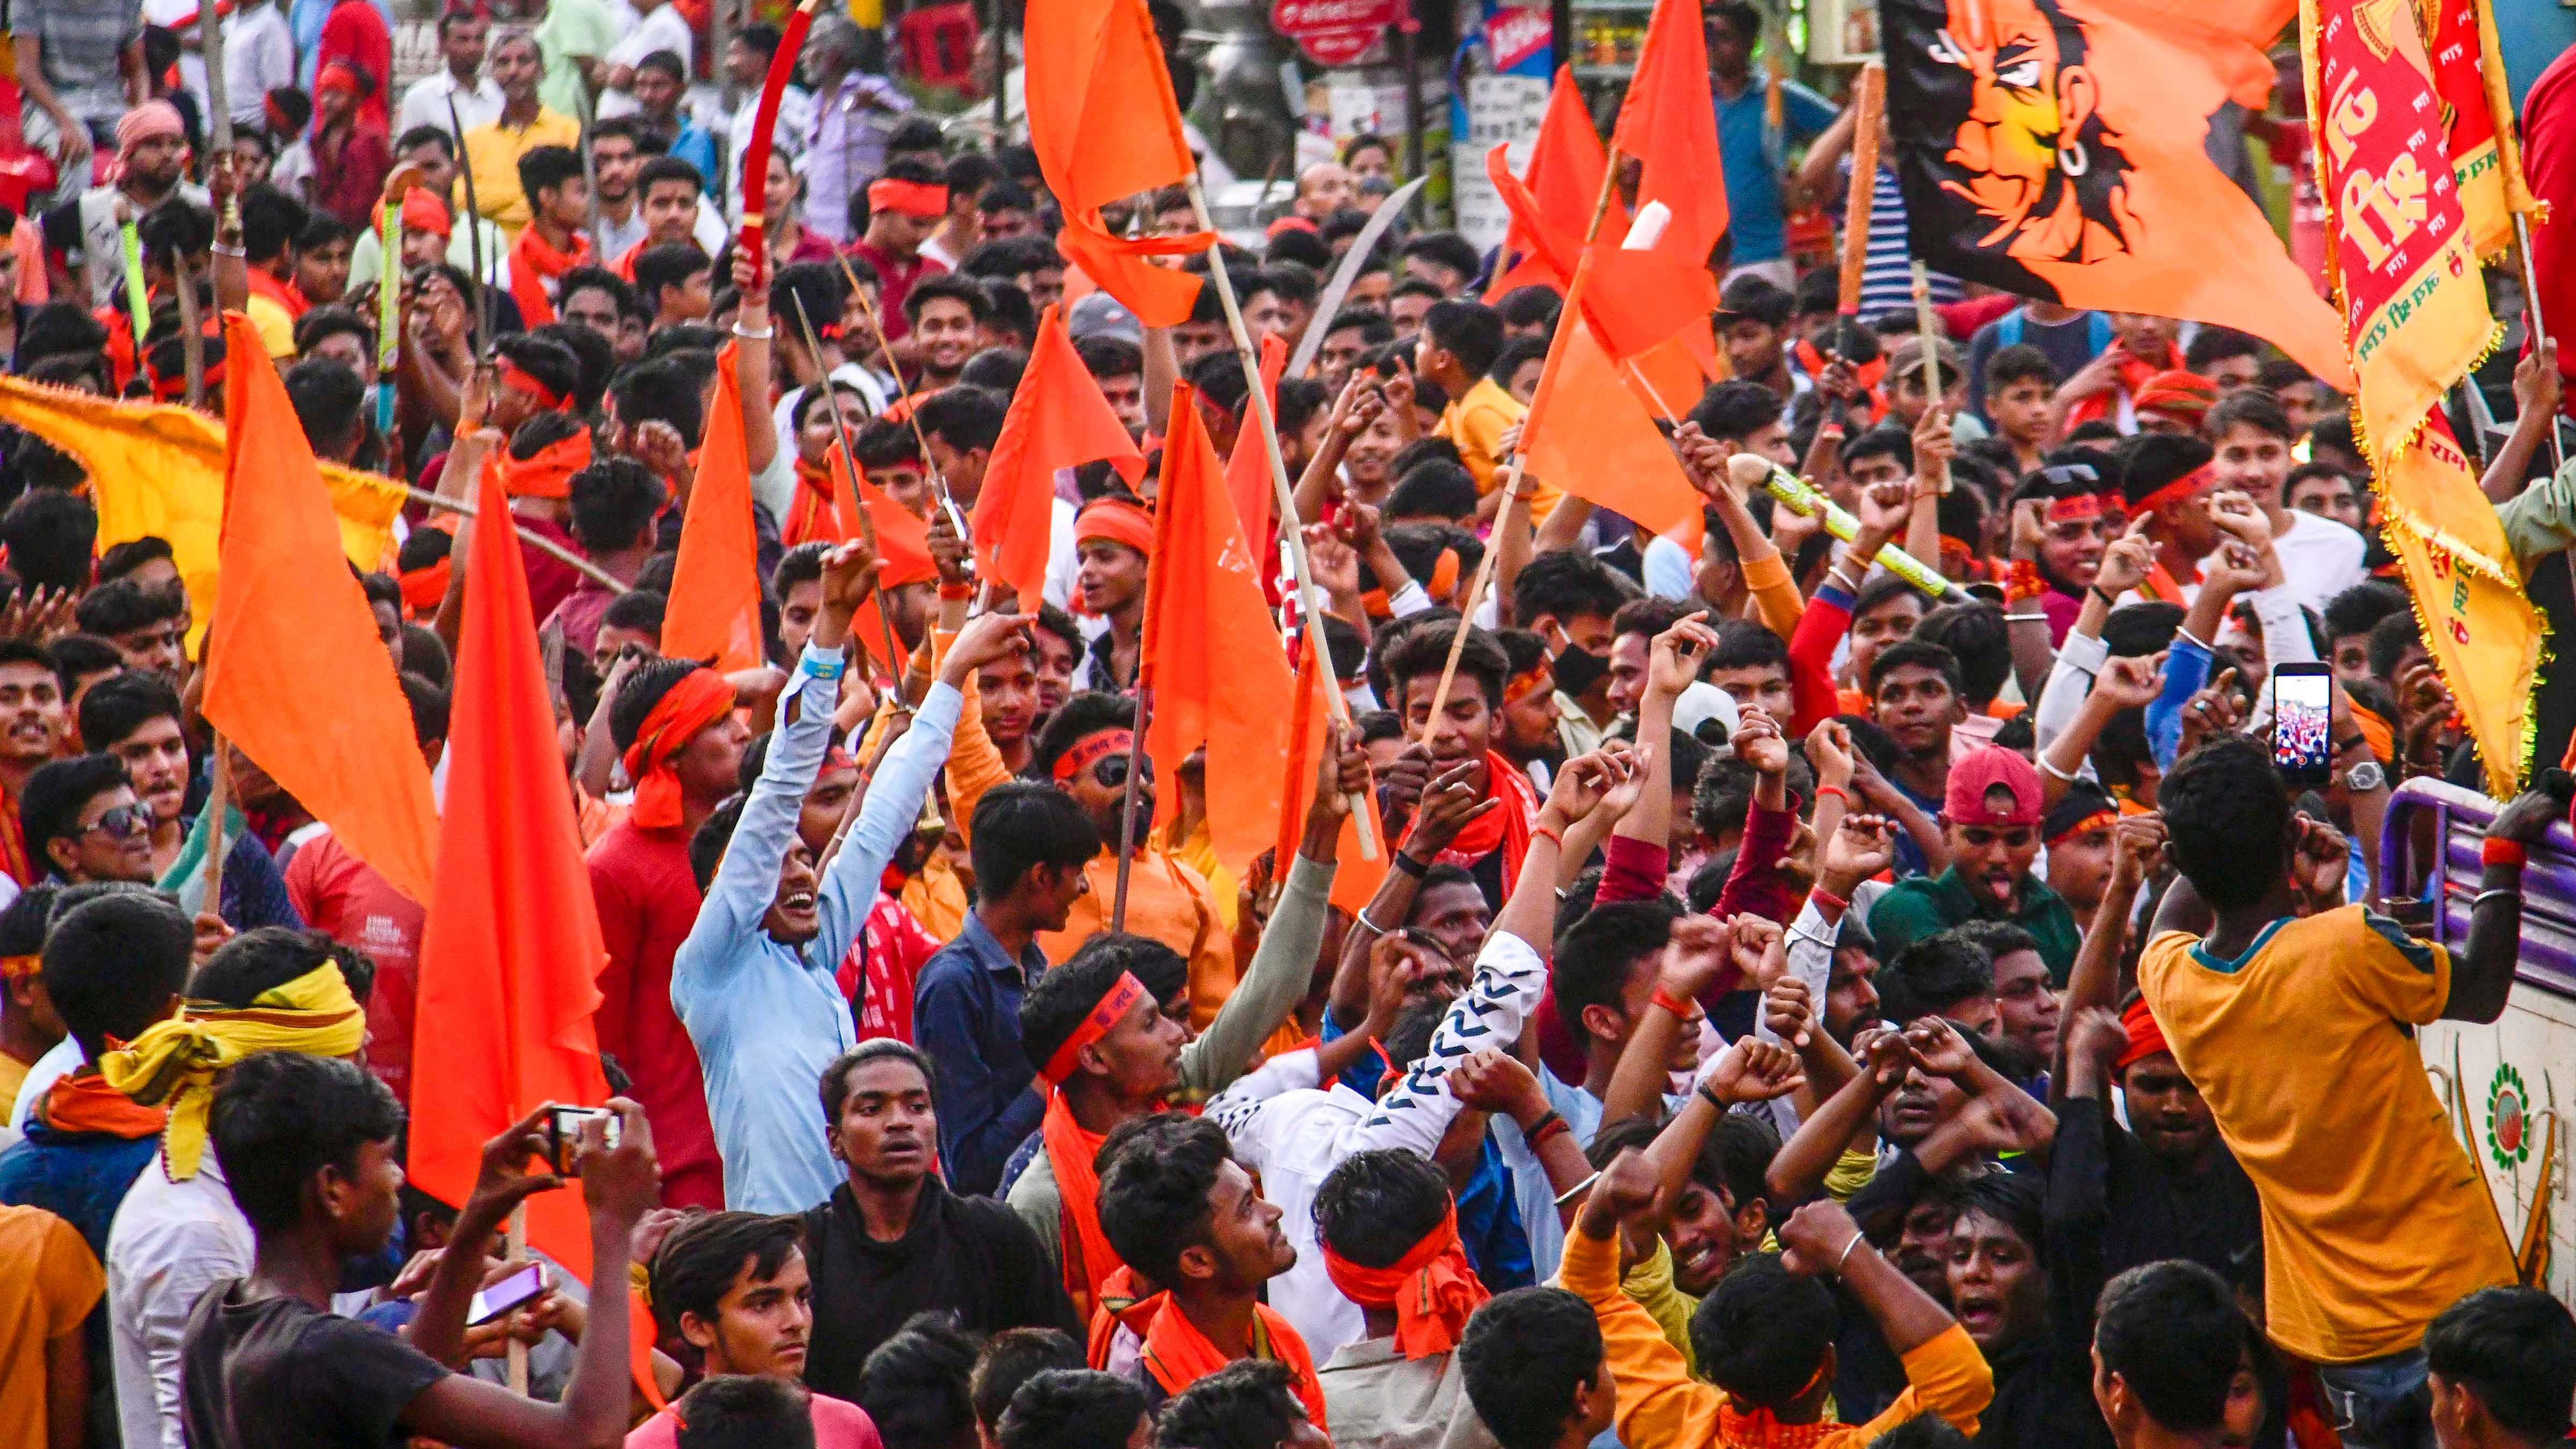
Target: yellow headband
<point>174,1063</point>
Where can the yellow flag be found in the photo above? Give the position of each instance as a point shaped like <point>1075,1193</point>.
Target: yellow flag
<point>157,470</point>
<point>2480,626</point>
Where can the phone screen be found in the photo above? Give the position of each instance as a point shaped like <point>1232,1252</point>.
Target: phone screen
<point>2302,704</point>
<point>492,1301</point>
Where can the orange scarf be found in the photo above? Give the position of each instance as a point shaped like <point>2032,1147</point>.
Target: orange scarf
<point>549,473</point>
<point>2134,372</point>
<point>1432,1289</point>
<point>701,698</point>
<point>86,1103</point>
<point>1125,1302</point>
<point>1508,827</point>
<point>1088,1258</point>
<point>263,283</point>
<point>1756,1429</point>
<point>1178,1355</point>
<point>811,515</point>
<point>534,261</point>
<point>2160,585</point>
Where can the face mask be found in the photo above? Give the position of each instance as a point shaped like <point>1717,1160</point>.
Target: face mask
<point>1578,669</point>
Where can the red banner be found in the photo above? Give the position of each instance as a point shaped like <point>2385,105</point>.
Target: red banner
<point>1334,32</point>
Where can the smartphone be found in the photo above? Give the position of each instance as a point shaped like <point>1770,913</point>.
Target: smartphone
<point>495,1299</point>
<point>2302,706</point>
<point>563,1134</point>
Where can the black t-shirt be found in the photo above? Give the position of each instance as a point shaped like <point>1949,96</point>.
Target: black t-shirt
<point>278,1373</point>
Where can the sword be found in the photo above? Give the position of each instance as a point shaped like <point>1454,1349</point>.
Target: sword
<point>1348,273</point>
<point>473,232</point>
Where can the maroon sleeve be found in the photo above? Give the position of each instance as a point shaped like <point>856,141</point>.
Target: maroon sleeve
<point>1756,884</point>
<point>1632,870</point>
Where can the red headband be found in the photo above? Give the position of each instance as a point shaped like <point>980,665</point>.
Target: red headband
<point>337,75</point>
<point>1095,1025</point>
<point>1528,682</point>
<point>515,376</point>
<point>2145,1037</point>
<point>2082,508</point>
<point>1091,748</point>
<point>912,198</point>
<point>1432,1289</point>
<point>2179,489</point>
<point>700,699</point>
<point>1119,522</point>
<point>19,968</point>
<point>2098,820</point>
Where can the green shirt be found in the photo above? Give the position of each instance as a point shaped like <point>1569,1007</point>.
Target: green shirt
<point>1921,906</point>
<point>2541,519</point>
<point>572,28</point>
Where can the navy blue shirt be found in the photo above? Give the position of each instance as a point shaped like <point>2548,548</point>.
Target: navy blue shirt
<point>966,1016</point>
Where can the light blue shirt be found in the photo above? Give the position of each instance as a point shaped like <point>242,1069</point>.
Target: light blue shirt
<point>1756,159</point>
<point>766,1017</point>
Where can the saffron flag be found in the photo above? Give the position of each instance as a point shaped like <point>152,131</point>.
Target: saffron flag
<point>1360,872</point>
<point>902,539</point>
<point>1058,419</point>
<point>1561,189</point>
<point>1104,123</point>
<point>2477,121</point>
<point>295,674</point>
<point>2054,148</point>
<point>508,959</point>
<point>156,470</point>
<point>1211,654</point>
<point>1247,469</point>
<point>714,612</point>
<point>1668,124</point>
<point>1589,434</point>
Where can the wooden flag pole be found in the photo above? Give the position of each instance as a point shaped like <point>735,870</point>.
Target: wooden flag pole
<point>1869,103</point>
<point>895,657</point>
<point>210,45</point>
<point>219,804</point>
<point>1484,576</point>
<point>2539,330</point>
<point>514,1244</point>
<point>1927,331</point>
<point>541,544</point>
<point>938,482</point>
<point>1126,843</point>
<point>1310,600</point>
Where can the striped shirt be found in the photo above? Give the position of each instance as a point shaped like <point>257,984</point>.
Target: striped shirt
<point>1887,274</point>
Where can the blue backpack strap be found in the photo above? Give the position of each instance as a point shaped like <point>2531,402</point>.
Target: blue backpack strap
<point>2008,331</point>
<point>2097,335</point>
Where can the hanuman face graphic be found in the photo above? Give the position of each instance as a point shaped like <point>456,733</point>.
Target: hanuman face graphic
<point>2032,153</point>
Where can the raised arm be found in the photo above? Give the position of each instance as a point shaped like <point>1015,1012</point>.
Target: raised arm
<point>2483,974</point>
<point>754,348</point>
<point>2137,848</point>
<point>1449,802</point>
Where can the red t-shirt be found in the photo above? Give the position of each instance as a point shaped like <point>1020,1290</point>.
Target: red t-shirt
<point>648,898</point>
<point>895,279</point>
<point>890,950</point>
<point>2549,162</point>
<point>348,900</point>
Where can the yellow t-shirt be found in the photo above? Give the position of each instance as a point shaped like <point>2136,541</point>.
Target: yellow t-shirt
<point>492,152</point>
<point>49,1280</point>
<point>2374,1218</point>
<point>1476,423</point>
<point>275,328</point>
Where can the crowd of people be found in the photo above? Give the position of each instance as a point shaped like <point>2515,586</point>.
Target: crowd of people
<point>1779,1006</point>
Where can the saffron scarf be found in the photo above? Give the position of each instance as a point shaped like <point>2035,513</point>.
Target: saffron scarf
<point>86,1103</point>
<point>1178,1355</point>
<point>1088,1258</point>
<point>1432,1288</point>
<point>2133,374</point>
<point>701,698</point>
<point>534,262</point>
<point>174,1063</point>
<point>1508,827</point>
<point>811,517</point>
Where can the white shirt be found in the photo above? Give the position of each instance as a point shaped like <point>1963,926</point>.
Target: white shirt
<point>259,57</point>
<point>59,1061</point>
<point>1668,568</point>
<point>664,29</point>
<point>425,103</point>
<point>786,136</point>
<point>850,375</point>
<point>1293,1130</point>
<point>2320,558</point>
<point>169,1243</point>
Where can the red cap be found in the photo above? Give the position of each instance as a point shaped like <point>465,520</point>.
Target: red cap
<point>1974,779</point>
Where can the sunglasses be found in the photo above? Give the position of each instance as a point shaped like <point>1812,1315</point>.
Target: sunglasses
<point>123,823</point>
<point>1110,771</point>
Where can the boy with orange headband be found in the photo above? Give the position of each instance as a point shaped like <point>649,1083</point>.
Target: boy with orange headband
<point>1390,1240</point>
<point>905,205</point>
<point>1112,539</point>
<point>673,721</point>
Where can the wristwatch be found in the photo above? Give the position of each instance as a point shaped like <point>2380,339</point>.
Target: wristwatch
<point>2365,777</point>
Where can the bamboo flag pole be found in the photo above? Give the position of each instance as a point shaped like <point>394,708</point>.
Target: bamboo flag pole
<point>895,657</point>
<point>514,1245</point>
<point>1511,484</point>
<point>541,544</point>
<point>1927,333</point>
<point>2539,330</point>
<point>1310,600</point>
<point>218,807</point>
<point>1868,104</point>
<point>885,345</point>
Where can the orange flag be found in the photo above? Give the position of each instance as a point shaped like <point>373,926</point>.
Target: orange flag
<point>1211,654</point>
<point>2054,148</point>
<point>1356,880</point>
<point>714,610</point>
<point>1668,123</point>
<point>1247,472</point>
<point>295,674</point>
<point>508,959</point>
<point>1058,419</point>
<point>1562,187</point>
<point>1588,434</point>
<point>903,541</point>
<point>1104,123</point>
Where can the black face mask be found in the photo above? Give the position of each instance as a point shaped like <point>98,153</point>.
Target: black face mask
<point>1578,669</point>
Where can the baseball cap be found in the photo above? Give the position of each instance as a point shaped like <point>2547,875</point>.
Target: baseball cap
<point>1974,779</point>
<point>1097,314</point>
<point>1908,358</point>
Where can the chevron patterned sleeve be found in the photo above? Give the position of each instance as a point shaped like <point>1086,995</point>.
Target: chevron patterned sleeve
<point>1414,1114</point>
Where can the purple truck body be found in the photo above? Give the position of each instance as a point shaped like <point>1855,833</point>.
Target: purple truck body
<point>2434,886</point>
